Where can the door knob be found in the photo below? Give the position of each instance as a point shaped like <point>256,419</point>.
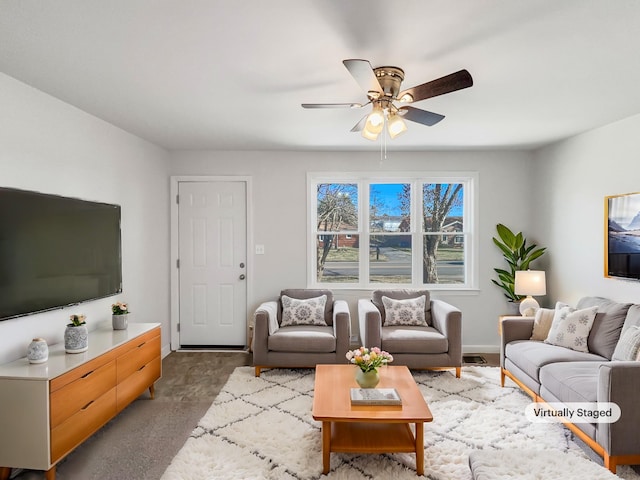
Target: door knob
<point>242,277</point>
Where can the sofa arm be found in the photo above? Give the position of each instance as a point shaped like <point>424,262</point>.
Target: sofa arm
<point>341,328</point>
<point>618,383</point>
<point>262,318</point>
<point>447,319</point>
<point>514,328</point>
<point>370,323</point>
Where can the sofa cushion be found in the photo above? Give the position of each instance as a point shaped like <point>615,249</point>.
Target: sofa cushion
<point>530,356</point>
<point>607,325</point>
<point>629,345</point>
<point>377,295</point>
<point>633,317</point>
<point>543,320</point>
<point>303,338</point>
<point>409,311</point>
<point>308,311</point>
<point>571,327</point>
<point>303,293</point>
<point>413,340</point>
<point>571,381</point>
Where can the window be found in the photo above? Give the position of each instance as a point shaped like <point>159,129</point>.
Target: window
<point>370,232</point>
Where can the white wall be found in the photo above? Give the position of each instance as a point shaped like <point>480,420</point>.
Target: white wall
<point>279,192</point>
<point>571,179</point>
<point>49,146</point>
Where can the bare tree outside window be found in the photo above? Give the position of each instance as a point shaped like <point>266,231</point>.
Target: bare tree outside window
<point>438,201</point>
<point>337,212</point>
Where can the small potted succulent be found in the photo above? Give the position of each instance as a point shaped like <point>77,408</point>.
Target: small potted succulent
<point>76,335</point>
<point>120,316</point>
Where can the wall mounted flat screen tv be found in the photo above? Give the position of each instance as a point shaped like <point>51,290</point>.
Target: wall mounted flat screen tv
<point>622,236</point>
<point>56,251</point>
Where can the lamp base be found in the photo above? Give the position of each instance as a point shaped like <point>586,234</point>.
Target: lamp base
<point>529,306</point>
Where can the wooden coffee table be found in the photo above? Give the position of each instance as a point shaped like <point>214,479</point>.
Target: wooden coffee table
<point>367,428</point>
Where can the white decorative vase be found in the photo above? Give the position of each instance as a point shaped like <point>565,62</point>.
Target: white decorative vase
<point>76,339</point>
<point>120,322</point>
<point>38,351</point>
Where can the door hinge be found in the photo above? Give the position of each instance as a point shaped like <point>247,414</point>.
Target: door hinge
<point>178,263</point>
<point>178,199</point>
<point>178,327</point>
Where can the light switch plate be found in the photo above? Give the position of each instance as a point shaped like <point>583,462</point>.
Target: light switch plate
<point>259,249</point>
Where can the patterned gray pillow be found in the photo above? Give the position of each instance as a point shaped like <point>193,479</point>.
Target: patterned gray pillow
<point>628,347</point>
<point>309,311</point>
<point>570,328</point>
<point>404,312</point>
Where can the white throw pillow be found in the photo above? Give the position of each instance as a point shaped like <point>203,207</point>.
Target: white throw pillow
<point>404,312</point>
<point>571,327</point>
<point>628,347</point>
<point>308,311</point>
<point>543,321</point>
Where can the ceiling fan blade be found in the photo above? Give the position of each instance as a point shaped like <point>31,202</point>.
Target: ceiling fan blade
<point>440,86</point>
<point>363,73</point>
<point>332,105</point>
<point>360,125</point>
<point>420,116</point>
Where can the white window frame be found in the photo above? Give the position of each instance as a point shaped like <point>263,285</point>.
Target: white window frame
<point>416,179</point>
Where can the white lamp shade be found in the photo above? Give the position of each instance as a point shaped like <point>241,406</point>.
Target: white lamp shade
<point>530,282</point>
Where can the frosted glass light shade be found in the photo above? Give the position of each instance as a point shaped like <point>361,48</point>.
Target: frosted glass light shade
<point>396,126</point>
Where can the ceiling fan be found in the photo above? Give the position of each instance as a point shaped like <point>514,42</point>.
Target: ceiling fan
<point>382,86</point>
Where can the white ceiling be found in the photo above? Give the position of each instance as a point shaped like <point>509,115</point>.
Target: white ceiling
<point>231,74</point>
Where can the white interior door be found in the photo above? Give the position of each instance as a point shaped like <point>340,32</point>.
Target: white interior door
<point>212,249</point>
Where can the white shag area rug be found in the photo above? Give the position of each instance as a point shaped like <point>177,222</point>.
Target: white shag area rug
<point>262,428</point>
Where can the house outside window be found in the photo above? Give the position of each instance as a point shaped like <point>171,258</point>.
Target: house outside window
<point>374,231</point>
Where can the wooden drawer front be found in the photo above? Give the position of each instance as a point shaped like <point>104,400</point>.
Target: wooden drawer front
<point>73,397</point>
<point>135,342</point>
<point>143,352</point>
<point>80,371</point>
<point>69,434</point>
<point>131,388</point>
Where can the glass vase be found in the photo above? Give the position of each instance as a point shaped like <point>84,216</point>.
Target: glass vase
<point>367,379</point>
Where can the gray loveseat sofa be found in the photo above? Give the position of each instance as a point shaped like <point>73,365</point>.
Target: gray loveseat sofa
<point>300,345</point>
<point>551,373</point>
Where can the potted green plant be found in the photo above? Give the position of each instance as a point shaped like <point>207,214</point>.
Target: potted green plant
<point>76,335</point>
<point>518,256</point>
<point>120,316</point>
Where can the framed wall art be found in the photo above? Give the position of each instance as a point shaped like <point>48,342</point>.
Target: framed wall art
<point>622,236</point>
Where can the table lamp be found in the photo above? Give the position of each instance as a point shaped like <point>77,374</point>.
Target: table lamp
<point>529,283</point>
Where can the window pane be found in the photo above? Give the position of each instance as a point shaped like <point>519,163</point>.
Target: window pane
<point>390,259</point>
<point>389,207</point>
<point>443,259</point>
<point>443,207</point>
<point>337,258</point>
<point>337,207</point>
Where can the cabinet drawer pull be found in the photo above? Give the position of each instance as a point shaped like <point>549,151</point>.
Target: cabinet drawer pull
<point>141,368</point>
<point>87,374</point>
<point>87,405</point>
<point>142,344</point>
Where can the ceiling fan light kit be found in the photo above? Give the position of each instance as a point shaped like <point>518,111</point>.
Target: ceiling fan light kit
<point>382,86</point>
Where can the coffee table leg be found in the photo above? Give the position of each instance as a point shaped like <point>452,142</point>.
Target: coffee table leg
<point>420,448</point>
<point>326,447</point>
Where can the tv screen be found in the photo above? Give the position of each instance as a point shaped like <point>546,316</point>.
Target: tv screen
<point>56,251</point>
<point>623,236</point>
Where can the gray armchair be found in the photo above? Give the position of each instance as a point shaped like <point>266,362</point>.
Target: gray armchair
<point>300,341</point>
<point>438,344</point>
